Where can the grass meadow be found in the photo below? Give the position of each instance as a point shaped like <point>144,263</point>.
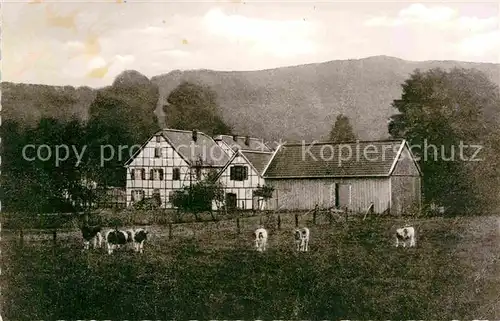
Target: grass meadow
<point>209,271</point>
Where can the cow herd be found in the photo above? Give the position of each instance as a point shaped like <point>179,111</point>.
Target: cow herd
<point>115,238</point>
<point>301,239</point>
<point>404,236</point>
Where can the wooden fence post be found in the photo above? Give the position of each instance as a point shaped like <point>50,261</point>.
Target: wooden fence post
<point>296,220</point>
<point>170,231</point>
<point>279,222</point>
<point>261,220</point>
<point>238,225</point>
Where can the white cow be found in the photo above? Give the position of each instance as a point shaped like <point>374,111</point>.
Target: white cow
<point>405,235</point>
<point>261,239</point>
<point>302,239</point>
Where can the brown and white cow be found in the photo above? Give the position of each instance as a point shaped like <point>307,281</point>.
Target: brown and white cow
<point>116,238</point>
<point>91,234</point>
<point>260,239</point>
<point>140,236</point>
<point>302,239</point>
<point>405,235</point>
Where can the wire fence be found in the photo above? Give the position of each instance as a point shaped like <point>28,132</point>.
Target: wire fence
<point>51,226</point>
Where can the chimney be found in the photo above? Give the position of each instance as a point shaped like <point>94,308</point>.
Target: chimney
<point>247,140</point>
<point>195,135</point>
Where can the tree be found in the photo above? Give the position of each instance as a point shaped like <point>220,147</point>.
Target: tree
<point>33,185</point>
<point>193,106</point>
<point>264,192</point>
<point>121,115</point>
<point>200,196</point>
<point>342,130</point>
<point>447,109</point>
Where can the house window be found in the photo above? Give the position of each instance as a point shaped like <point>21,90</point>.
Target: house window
<point>132,174</point>
<point>157,152</point>
<point>143,174</point>
<point>170,196</point>
<point>160,174</point>
<point>158,139</point>
<point>176,175</point>
<point>198,173</point>
<point>238,173</point>
<point>137,195</point>
<point>151,174</point>
<point>156,193</point>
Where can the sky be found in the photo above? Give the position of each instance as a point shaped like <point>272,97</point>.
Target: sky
<point>89,43</point>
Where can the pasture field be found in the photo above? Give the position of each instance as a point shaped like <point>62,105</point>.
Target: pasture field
<point>209,271</point>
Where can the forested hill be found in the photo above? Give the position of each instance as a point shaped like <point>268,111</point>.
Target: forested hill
<point>298,102</point>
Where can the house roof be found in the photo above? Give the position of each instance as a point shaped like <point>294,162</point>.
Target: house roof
<point>255,144</point>
<point>355,159</point>
<point>259,160</point>
<point>273,145</point>
<point>205,148</point>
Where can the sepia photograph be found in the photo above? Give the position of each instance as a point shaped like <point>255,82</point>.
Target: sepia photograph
<point>249,160</point>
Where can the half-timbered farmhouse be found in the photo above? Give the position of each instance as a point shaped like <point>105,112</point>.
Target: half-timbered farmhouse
<point>242,176</point>
<point>350,175</point>
<point>170,160</point>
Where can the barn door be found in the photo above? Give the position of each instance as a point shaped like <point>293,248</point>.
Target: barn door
<point>343,196</point>
<point>231,201</point>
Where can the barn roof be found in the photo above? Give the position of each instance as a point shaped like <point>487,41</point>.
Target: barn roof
<point>205,148</point>
<point>256,144</point>
<point>315,160</point>
<point>259,160</point>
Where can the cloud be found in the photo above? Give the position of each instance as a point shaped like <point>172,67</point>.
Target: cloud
<point>420,13</point>
<point>126,59</point>
<point>96,62</point>
<point>281,38</point>
<point>155,38</point>
<point>481,44</point>
<point>440,17</point>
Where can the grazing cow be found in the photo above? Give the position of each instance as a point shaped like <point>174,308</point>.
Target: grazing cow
<point>91,233</point>
<point>140,235</point>
<point>405,235</point>
<point>302,239</point>
<point>260,239</point>
<point>116,239</point>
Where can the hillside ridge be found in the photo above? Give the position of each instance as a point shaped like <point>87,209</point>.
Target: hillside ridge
<point>293,102</point>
